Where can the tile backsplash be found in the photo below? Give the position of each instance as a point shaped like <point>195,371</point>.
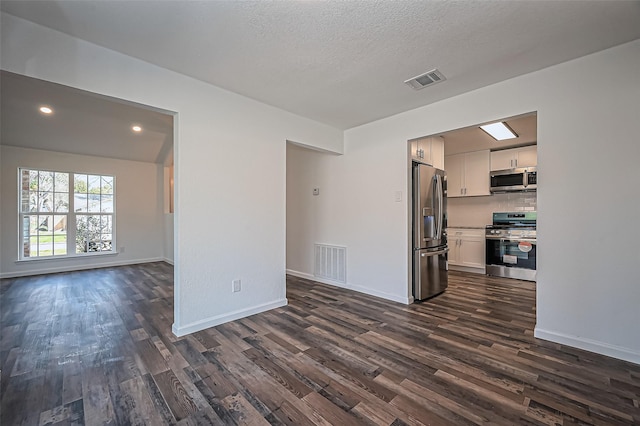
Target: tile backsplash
<point>478,211</point>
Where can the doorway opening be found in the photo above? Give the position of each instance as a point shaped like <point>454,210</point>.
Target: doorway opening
<point>91,135</point>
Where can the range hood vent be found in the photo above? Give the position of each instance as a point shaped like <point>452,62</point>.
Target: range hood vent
<point>427,79</point>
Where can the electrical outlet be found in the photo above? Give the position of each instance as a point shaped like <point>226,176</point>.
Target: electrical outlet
<point>235,286</point>
<point>316,191</point>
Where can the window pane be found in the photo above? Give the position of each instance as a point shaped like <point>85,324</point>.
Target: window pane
<point>26,238</point>
<point>106,225</point>
<point>33,180</point>
<point>94,184</point>
<point>24,183</point>
<point>81,234</point>
<point>106,243</point>
<point>94,202</point>
<point>44,223</point>
<point>60,224</point>
<point>45,201</point>
<point>107,203</point>
<point>107,184</point>
<point>45,235</point>
<point>33,201</point>
<point>33,224</point>
<point>80,202</point>
<point>62,202</point>
<point>59,234</point>
<point>93,226</point>
<point>80,184</point>
<point>62,182</point>
<point>24,201</point>
<point>45,181</point>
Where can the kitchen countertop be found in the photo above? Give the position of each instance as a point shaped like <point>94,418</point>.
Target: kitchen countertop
<point>466,227</point>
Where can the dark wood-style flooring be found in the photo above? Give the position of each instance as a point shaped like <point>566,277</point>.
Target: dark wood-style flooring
<point>95,347</point>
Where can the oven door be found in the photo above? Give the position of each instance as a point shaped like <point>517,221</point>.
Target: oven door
<point>515,258</point>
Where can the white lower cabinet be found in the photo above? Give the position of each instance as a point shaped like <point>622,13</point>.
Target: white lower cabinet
<point>466,249</point>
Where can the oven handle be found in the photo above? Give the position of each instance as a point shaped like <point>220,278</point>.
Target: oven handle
<point>528,240</point>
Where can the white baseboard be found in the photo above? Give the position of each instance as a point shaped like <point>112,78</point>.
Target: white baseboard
<point>71,268</point>
<point>301,275</point>
<point>221,319</point>
<point>383,295</point>
<point>167,260</point>
<point>601,348</point>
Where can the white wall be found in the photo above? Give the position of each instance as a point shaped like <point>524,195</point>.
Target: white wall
<point>230,155</point>
<point>139,227</point>
<point>587,201</point>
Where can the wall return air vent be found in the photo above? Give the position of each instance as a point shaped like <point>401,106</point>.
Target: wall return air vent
<point>331,262</point>
<point>429,78</point>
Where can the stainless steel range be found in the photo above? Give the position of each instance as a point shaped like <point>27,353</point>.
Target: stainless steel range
<point>511,245</point>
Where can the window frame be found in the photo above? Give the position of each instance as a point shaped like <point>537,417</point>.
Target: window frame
<point>71,214</point>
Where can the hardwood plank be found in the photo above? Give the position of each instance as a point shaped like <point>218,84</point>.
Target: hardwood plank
<point>242,411</point>
<point>95,347</point>
<point>179,402</point>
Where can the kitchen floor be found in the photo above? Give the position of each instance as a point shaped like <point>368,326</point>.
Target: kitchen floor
<point>96,347</point>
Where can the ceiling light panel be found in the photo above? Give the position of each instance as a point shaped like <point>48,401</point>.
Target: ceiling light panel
<point>499,131</point>
<point>45,110</point>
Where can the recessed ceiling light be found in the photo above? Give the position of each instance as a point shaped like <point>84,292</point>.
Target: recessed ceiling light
<point>136,129</point>
<point>499,131</point>
<point>45,110</point>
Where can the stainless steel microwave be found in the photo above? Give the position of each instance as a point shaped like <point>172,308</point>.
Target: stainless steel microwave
<point>512,180</point>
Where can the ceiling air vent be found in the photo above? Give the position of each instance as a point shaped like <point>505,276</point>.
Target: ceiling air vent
<point>426,79</point>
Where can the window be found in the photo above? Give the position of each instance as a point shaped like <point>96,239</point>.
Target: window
<point>65,214</point>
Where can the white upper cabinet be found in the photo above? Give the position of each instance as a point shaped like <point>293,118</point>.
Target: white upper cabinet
<point>468,174</point>
<point>428,150</point>
<point>526,156</point>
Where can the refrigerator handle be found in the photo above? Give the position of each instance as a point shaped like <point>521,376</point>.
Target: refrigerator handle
<point>440,206</point>
<point>435,253</point>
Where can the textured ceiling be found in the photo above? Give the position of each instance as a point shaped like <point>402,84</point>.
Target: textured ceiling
<point>344,62</point>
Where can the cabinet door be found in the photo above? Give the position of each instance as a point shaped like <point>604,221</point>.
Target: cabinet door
<point>476,173</point>
<point>528,156</point>
<point>472,253</point>
<point>414,150</point>
<point>502,160</point>
<point>454,166</point>
<point>424,145</point>
<point>437,152</point>
<point>454,251</point>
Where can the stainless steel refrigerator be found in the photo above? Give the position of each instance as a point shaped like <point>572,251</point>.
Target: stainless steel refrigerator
<point>430,269</point>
